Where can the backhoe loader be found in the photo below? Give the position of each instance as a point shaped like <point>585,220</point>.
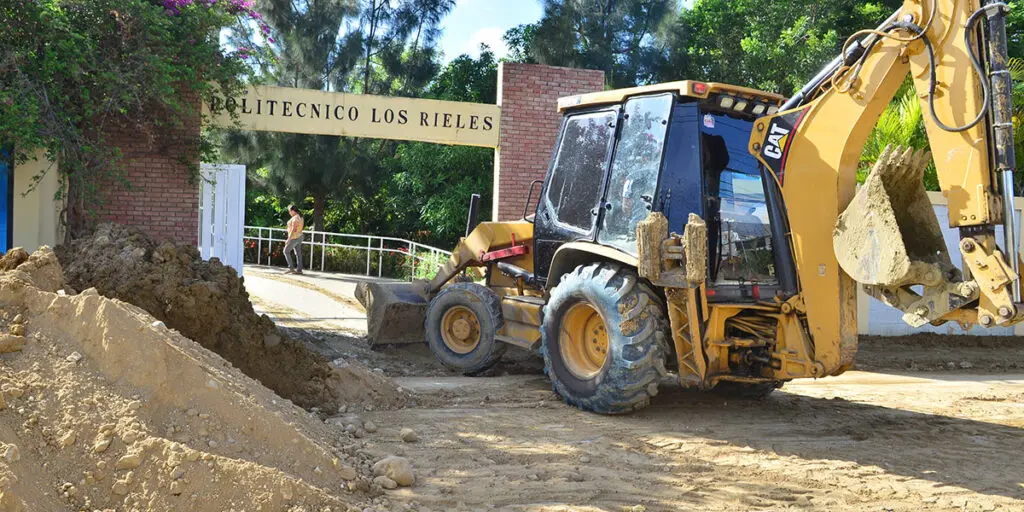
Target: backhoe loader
<point>716,234</point>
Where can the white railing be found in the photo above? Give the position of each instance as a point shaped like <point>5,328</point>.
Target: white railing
<point>320,241</point>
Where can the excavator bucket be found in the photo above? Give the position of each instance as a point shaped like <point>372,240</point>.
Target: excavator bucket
<point>889,235</point>
<point>395,312</point>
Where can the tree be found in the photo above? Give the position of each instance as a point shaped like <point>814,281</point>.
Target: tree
<point>311,54</point>
<point>378,46</point>
<point>69,70</point>
<point>401,36</point>
<point>519,39</point>
<point>775,46</point>
<point>901,124</point>
<point>613,36</point>
<point>427,195</point>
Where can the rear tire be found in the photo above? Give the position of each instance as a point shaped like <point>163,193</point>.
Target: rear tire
<point>745,390</point>
<point>461,323</point>
<point>631,333</point>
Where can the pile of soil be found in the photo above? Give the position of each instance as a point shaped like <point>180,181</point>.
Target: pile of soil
<point>207,302</point>
<point>104,408</point>
<point>940,352</point>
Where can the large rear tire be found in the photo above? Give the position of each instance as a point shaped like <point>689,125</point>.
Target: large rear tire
<point>461,323</point>
<point>604,338</point>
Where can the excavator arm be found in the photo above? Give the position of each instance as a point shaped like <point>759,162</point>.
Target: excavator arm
<point>885,236</point>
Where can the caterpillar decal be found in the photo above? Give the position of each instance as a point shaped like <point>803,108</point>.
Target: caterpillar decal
<point>777,140</point>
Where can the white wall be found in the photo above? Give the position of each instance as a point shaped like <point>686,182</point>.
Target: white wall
<point>36,214</point>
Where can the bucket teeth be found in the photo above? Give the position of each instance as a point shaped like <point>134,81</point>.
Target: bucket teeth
<point>888,235</point>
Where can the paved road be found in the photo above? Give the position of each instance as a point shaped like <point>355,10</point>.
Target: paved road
<point>315,299</point>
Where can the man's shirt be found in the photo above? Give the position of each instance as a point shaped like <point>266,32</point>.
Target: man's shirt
<point>295,226</point>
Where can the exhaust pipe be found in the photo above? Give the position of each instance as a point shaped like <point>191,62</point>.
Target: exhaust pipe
<point>474,213</point>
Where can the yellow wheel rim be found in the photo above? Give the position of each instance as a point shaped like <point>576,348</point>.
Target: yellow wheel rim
<point>460,329</point>
<point>583,341</point>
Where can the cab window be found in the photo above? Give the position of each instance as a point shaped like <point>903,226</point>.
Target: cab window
<point>574,188</point>
<point>739,235</point>
<point>635,169</point>
<point>745,242</point>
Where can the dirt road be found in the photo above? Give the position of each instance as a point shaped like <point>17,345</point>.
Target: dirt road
<point>860,442</point>
<point>948,440</point>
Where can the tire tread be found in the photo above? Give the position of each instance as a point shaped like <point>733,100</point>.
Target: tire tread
<point>494,349</point>
<point>627,385</point>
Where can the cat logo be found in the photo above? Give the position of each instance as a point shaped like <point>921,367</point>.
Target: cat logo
<point>777,138</point>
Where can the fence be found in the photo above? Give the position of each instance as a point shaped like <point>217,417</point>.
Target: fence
<point>339,252</point>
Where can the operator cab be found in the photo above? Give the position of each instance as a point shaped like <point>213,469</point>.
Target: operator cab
<point>677,148</point>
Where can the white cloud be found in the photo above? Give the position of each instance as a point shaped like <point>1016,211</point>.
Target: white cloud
<point>491,36</point>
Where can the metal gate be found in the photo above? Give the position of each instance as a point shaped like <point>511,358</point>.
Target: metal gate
<point>222,213</point>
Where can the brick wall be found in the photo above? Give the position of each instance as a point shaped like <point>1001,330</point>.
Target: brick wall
<point>528,95</point>
<point>162,201</point>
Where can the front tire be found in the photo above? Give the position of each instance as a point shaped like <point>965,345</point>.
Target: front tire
<point>604,338</point>
<point>461,324</point>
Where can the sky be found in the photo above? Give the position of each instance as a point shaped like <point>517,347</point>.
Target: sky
<point>472,22</point>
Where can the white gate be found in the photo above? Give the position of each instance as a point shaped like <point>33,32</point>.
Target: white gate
<point>222,213</point>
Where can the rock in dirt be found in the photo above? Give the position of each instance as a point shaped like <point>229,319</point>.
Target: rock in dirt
<point>13,258</point>
<point>12,453</point>
<point>398,469</point>
<point>385,482</point>
<point>408,435</point>
<point>130,461</point>
<point>119,488</point>
<point>207,302</point>
<point>370,427</point>
<point>10,343</point>
<point>101,445</point>
<point>67,439</point>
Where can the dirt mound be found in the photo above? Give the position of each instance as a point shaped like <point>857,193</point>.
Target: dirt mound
<point>207,302</point>
<point>931,352</point>
<point>102,407</point>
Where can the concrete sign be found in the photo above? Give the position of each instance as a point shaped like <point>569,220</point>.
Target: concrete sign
<point>283,109</point>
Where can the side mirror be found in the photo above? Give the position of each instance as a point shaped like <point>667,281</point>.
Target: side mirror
<point>529,196</point>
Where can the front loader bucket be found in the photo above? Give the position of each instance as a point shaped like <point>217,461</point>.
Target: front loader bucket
<point>888,235</point>
<point>395,312</point>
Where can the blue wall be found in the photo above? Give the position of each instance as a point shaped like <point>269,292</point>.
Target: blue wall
<point>6,200</point>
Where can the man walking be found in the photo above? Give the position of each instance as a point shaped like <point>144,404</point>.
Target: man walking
<point>294,243</point>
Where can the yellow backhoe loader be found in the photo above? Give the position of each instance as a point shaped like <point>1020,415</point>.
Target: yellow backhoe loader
<point>716,233</point>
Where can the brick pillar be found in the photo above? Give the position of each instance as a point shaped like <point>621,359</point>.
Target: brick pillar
<point>162,201</point>
<point>528,95</point>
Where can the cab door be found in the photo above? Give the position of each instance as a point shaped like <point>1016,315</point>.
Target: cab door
<point>636,165</point>
<point>569,205</point>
